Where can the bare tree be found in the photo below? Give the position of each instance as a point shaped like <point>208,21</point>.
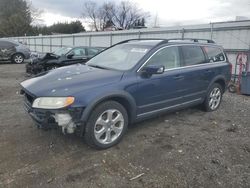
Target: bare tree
<point>123,15</point>
<point>126,14</point>
<point>95,13</point>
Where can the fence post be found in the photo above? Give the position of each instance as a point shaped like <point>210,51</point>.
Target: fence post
<point>42,43</point>
<point>73,40</point>
<point>211,30</point>
<point>50,44</point>
<point>35,42</point>
<point>89,40</point>
<point>139,35</point>
<point>183,33</point>
<point>111,39</point>
<point>61,40</point>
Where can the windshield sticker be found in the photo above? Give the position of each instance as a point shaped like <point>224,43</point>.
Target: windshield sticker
<point>139,50</point>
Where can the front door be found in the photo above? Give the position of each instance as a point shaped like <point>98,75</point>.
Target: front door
<point>161,91</point>
<point>78,55</point>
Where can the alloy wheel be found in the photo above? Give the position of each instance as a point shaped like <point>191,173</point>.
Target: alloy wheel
<point>214,98</point>
<point>18,59</point>
<point>109,126</point>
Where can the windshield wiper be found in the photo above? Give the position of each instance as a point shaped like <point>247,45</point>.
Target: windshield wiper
<point>99,67</point>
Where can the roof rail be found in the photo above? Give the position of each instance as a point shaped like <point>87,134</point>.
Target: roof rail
<point>192,39</point>
<point>124,41</point>
<point>168,40</point>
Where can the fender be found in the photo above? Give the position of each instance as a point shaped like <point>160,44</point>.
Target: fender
<point>215,79</point>
<point>121,94</point>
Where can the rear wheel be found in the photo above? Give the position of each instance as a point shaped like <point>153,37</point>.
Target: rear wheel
<point>17,58</point>
<point>213,98</point>
<point>106,125</point>
<point>232,88</point>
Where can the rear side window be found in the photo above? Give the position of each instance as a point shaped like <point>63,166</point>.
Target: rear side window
<point>215,54</point>
<point>6,44</point>
<point>192,55</point>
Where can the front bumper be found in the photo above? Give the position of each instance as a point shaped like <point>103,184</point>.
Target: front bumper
<point>69,120</point>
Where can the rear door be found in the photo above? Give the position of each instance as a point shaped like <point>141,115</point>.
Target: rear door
<point>196,71</point>
<point>7,49</point>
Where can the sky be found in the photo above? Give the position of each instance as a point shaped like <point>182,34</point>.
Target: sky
<point>163,12</point>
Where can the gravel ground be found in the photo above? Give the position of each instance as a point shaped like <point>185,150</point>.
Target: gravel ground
<point>189,148</point>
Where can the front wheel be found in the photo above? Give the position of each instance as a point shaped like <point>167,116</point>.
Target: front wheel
<point>213,98</point>
<point>17,58</point>
<point>106,125</point>
<point>51,67</point>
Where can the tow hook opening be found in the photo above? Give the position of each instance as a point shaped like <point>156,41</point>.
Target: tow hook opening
<point>65,122</point>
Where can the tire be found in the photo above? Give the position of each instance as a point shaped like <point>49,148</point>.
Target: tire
<point>232,88</point>
<point>213,98</point>
<point>17,58</point>
<point>100,128</point>
<point>52,67</point>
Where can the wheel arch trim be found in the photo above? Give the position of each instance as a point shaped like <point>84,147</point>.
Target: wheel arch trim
<point>112,96</point>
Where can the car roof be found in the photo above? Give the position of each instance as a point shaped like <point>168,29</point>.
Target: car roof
<point>10,40</point>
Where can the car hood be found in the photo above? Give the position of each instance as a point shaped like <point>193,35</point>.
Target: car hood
<point>41,57</point>
<point>66,81</point>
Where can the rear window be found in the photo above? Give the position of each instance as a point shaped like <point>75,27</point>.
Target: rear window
<point>215,54</point>
<point>192,55</point>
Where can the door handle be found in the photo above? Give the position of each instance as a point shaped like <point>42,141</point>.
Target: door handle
<point>208,71</point>
<point>178,77</point>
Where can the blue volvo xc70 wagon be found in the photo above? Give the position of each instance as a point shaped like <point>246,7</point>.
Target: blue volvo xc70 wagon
<point>128,82</point>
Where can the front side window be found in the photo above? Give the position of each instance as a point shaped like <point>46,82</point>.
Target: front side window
<point>192,55</point>
<point>92,51</point>
<point>214,54</point>
<point>168,57</point>
<point>62,51</point>
<point>78,52</point>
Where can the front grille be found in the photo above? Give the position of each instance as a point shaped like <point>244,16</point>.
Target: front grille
<point>40,114</point>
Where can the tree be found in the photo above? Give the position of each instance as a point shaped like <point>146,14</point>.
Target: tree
<point>123,15</point>
<point>62,28</point>
<point>67,28</point>
<point>15,18</point>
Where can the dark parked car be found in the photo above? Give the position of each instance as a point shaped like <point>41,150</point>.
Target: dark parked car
<point>61,57</point>
<point>13,51</point>
<point>128,82</point>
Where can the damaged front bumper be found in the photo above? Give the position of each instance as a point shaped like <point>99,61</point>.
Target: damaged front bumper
<point>34,68</point>
<point>68,120</point>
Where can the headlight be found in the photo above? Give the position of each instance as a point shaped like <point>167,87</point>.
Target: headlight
<point>52,102</point>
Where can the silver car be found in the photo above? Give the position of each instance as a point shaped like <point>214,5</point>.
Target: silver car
<point>13,51</point>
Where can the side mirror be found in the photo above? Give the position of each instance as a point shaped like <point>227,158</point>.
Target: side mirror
<point>69,56</point>
<point>153,69</point>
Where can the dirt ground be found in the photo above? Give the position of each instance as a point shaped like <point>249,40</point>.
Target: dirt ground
<point>189,148</point>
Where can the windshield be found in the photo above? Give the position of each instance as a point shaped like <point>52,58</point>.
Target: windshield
<point>62,51</point>
<point>119,57</point>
